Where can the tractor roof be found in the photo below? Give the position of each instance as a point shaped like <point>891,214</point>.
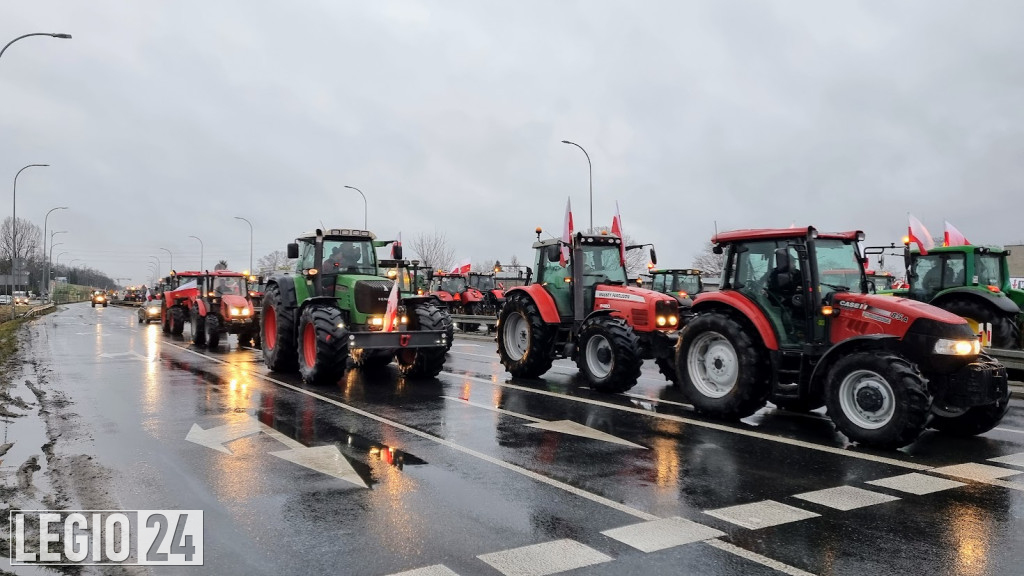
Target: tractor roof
<point>335,233</point>
<point>583,240</point>
<point>998,250</point>
<point>187,273</point>
<point>781,233</point>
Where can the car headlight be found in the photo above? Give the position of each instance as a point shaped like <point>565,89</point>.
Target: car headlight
<point>952,347</point>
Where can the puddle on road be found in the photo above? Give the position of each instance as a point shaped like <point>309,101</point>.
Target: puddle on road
<point>28,435</point>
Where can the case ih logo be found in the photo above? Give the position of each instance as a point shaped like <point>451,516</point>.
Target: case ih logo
<point>854,305</point>
<point>876,314</point>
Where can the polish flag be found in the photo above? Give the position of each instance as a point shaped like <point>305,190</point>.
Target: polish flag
<point>617,230</point>
<point>567,231</point>
<point>918,234</point>
<point>953,237</point>
<point>392,309</point>
<point>462,268</point>
<point>397,242</point>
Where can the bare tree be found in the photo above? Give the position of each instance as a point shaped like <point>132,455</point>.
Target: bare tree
<point>276,261</point>
<point>221,265</point>
<point>708,262</point>
<point>29,239</point>
<point>433,250</point>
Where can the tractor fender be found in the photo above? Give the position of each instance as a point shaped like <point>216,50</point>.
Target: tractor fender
<point>330,300</point>
<point>708,301</point>
<point>1000,300</point>
<point>545,303</point>
<point>287,287</point>
<point>596,313</point>
<point>201,305</point>
<point>870,341</point>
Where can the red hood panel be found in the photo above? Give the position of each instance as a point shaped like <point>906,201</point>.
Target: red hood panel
<point>235,301</point>
<point>895,306</point>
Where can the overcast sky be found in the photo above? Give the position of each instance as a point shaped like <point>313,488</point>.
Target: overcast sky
<point>167,119</point>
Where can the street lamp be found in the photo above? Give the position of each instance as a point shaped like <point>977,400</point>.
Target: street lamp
<point>49,257</point>
<point>590,168</point>
<point>171,255</point>
<point>14,220</point>
<point>364,203</point>
<point>57,262</point>
<point>47,267</point>
<point>70,269</point>
<point>159,265</point>
<point>200,252</point>
<point>62,36</point>
<point>250,240</point>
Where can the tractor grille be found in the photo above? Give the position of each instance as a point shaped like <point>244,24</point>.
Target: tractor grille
<point>371,296</point>
<point>640,317</point>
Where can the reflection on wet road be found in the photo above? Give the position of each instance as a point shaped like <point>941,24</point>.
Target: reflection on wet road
<point>473,473</point>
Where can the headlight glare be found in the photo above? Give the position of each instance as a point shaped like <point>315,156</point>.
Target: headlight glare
<point>952,347</point>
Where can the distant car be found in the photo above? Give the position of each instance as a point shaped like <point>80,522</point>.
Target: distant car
<point>99,297</point>
<point>5,298</point>
<point>150,311</point>
<point>20,298</point>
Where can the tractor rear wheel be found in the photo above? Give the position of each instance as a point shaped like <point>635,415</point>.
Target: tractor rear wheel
<point>877,399</point>
<point>722,369</point>
<point>278,328</point>
<point>423,362</point>
<point>177,315</point>
<point>323,345</point>
<point>1005,332</point>
<point>212,329</point>
<point>524,341</point>
<point>609,354</point>
<point>198,328</point>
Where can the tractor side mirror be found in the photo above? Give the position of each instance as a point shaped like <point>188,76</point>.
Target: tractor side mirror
<point>396,251</point>
<point>717,249</point>
<point>654,256</point>
<point>430,275</point>
<point>293,250</point>
<point>552,252</point>
<point>871,289</point>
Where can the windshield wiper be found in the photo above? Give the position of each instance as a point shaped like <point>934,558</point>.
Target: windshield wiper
<point>837,287</point>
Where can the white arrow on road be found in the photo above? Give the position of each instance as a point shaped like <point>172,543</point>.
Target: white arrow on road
<point>216,437</point>
<point>129,354</point>
<point>324,459</point>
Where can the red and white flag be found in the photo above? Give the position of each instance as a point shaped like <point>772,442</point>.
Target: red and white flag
<point>953,237</point>
<point>397,242</point>
<point>617,230</point>
<point>392,309</point>
<point>567,230</point>
<point>918,234</point>
<point>462,267</point>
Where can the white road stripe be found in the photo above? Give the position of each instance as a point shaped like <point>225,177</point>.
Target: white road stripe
<point>1011,459</point>
<point>494,409</point>
<point>846,498</point>
<point>1009,430</point>
<point>435,570</point>
<point>755,557</point>
<point>545,558</point>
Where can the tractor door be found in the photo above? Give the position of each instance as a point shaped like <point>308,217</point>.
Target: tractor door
<point>770,275</point>
<point>553,277</point>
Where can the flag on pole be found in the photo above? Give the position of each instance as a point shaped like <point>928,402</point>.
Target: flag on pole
<point>563,257</point>
<point>918,234</point>
<point>397,242</point>
<point>462,267</point>
<point>617,230</point>
<point>392,308</point>
<point>953,237</point>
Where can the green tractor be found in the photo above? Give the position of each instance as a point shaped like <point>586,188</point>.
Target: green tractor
<point>683,284</point>
<point>335,305</point>
<point>972,282</point>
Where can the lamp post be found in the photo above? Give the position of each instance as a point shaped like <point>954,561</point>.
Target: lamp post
<point>154,272</point>
<point>47,256</point>
<point>171,255</point>
<point>250,240</point>
<point>200,252</point>
<point>73,260</point>
<point>14,221</point>
<point>53,35</point>
<point>590,169</point>
<point>364,203</point>
<point>47,267</point>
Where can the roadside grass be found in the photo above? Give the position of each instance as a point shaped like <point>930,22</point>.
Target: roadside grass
<point>9,334</point>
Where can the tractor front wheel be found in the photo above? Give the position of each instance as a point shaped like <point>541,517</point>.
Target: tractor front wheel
<point>165,320</point>
<point>1005,333</point>
<point>877,399</point>
<point>323,345</point>
<point>278,329</point>
<point>198,328</point>
<point>722,368</point>
<point>970,421</point>
<point>609,354</point>
<point>177,320</point>
<point>667,368</point>
<point>212,331</point>
<point>524,341</point>
<point>423,362</point>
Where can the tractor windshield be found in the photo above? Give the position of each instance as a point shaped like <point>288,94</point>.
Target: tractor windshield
<point>453,284</point>
<point>483,283</point>
<point>404,278</point>
<point>602,264</point>
<point>989,269</point>
<point>839,267</point>
<point>689,283</point>
<point>349,257</point>
<point>230,286</point>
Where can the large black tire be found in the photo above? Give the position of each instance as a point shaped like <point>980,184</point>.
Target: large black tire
<point>277,323</point>
<point>423,362</point>
<point>212,329</point>
<point>973,421</point>
<point>177,315</point>
<point>877,399</point>
<point>372,359</point>
<point>609,354</point>
<point>198,328</point>
<point>524,340</point>
<point>667,368</point>
<point>723,368</point>
<point>1005,332</point>
<point>323,345</point>
<point>469,309</point>
<point>165,320</point>
<point>104,304</point>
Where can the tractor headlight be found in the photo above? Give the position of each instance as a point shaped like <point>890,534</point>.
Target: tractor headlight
<point>236,311</point>
<point>951,347</point>
<point>661,321</point>
<point>377,321</point>
<point>672,321</point>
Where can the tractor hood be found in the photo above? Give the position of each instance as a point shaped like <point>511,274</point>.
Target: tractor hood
<point>629,293</point>
<point>894,309</point>
<point>234,301</point>
<point>867,314</point>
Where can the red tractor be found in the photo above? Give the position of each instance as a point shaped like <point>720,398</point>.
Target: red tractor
<point>780,329</point>
<point>453,291</point>
<point>224,305</point>
<point>178,296</point>
<point>582,307</point>
<point>492,296</point>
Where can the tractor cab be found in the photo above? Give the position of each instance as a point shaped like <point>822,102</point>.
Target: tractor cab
<point>593,260</point>
<point>681,283</point>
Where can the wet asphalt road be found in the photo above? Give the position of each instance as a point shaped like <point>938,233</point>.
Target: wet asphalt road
<point>476,474</point>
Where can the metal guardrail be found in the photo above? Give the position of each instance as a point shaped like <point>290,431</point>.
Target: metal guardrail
<point>33,311</point>
<point>471,319</point>
<point>1012,359</point>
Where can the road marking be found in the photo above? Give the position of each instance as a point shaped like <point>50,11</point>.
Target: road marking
<point>466,346</point>
<point>1009,430</point>
<point>918,484</point>
<point>755,557</point>
<point>657,400</point>
<point>545,558</point>
<point>661,534</point>
<point>761,514</point>
<point>324,459</point>
<point>1012,459</point>
<point>129,354</point>
<point>975,471</point>
<point>435,570</point>
<point>216,437</point>
<point>561,426</point>
<point>845,497</point>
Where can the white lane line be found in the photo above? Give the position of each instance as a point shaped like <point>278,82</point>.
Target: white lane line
<point>845,498</point>
<point>546,558</point>
<point>657,400</point>
<point>702,424</point>
<point>918,484</point>
<point>449,444</point>
<point>661,534</point>
<point>1012,459</point>
<point>1009,430</point>
<point>975,471</point>
<point>435,570</point>
<point>761,514</point>
<point>494,409</point>
<point>755,557</point>
<point>569,370</point>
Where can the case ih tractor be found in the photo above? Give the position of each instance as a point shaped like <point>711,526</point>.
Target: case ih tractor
<point>777,330</point>
<point>223,306</point>
<point>585,311</point>
<point>334,305</point>
<point>179,296</point>
<point>680,283</point>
